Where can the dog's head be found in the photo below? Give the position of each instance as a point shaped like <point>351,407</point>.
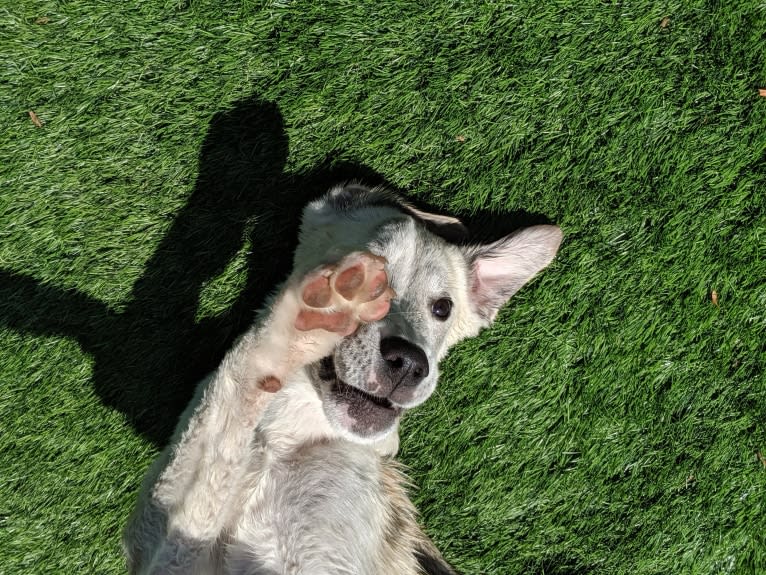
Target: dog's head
<point>444,293</point>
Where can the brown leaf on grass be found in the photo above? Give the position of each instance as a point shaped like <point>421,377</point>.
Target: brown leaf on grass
<point>714,297</point>
<point>35,120</point>
<point>42,20</point>
<point>762,92</point>
<point>761,457</point>
<point>460,138</point>
<point>665,22</point>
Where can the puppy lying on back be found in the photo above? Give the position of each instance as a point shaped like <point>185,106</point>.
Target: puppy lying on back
<point>283,462</point>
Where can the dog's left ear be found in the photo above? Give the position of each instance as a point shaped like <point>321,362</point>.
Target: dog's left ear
<point>446,227</point>
<point>498,270</point>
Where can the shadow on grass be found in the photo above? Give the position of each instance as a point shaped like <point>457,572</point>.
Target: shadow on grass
<point>148,358</point>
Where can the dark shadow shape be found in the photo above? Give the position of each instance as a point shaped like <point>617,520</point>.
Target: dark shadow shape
<point>148,358</point>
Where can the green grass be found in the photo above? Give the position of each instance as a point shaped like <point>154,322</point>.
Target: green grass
<point>610,422</point>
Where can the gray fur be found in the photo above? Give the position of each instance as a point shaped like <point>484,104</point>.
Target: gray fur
<point>302,481</point>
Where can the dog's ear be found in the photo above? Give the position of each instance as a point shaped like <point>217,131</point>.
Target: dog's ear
<point>446,227</point>
<point>498,270</point>
<point>354,195</point>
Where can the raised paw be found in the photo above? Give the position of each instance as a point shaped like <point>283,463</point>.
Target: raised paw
<point>338,297</point>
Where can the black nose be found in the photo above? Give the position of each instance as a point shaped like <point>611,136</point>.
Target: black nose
<point>406,363</point>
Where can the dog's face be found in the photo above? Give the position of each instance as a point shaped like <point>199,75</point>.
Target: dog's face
<point>444,293</point>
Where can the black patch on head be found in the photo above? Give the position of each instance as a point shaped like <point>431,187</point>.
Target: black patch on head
<point>433,565</point>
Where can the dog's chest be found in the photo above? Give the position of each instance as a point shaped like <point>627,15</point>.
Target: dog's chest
<point>315,510</point>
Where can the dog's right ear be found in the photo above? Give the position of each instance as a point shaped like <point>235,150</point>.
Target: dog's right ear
<point>498,270</point>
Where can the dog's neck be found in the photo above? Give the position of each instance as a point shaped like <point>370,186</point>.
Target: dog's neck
<point>296,418</point>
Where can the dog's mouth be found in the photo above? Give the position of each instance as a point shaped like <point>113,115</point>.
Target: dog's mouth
<point>362,413</point>
<point>355,394</point>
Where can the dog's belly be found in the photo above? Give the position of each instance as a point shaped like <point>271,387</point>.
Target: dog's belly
<point>317,510</point>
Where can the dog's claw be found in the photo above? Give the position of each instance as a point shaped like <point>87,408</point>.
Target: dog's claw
<point>338,297</point>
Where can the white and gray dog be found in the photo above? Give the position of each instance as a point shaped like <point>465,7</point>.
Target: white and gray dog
<point>283,462</point>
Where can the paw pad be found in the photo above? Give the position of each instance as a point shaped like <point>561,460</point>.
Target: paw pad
<point>338,297</point>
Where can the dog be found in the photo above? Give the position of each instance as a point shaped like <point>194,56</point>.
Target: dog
<point>283,463</point>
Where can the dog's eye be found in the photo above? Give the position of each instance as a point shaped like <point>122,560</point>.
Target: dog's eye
<point>441,308</point>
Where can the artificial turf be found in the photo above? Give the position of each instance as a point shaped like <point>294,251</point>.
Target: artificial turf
<point>614,418</point>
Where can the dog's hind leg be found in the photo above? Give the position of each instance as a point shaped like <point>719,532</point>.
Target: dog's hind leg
<point>194,491</point>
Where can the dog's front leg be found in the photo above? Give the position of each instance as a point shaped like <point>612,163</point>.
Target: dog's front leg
<point>198,484</point>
